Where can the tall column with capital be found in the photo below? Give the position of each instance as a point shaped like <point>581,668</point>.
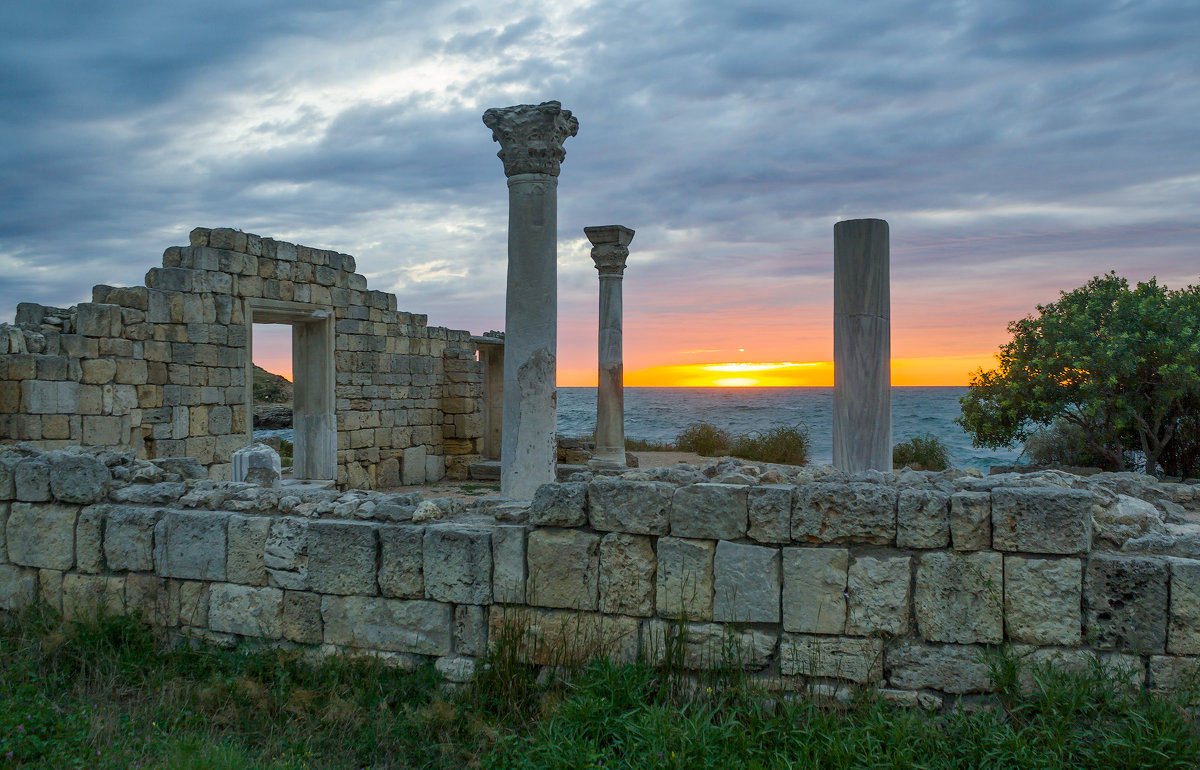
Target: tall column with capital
<point>531,145</point>
<point>862,348</point>
<point>610,248</point>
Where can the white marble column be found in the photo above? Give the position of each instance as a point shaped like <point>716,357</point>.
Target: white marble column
<point>531,139</point>
<point>610,248</point>
<point>862,374</point>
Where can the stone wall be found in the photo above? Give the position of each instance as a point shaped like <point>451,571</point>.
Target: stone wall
<point>162,368</point>
<point>805,577</point>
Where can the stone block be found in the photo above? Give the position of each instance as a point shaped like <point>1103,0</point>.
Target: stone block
<point>923,518</point>
<point>79,479</point>
<point>703,646</point>
<point>457,563</point>
<point>684,581</point>
<point>300,618</point>
<point>286,554</point>
<point>560,505</point>
<point>771,513</point>
<point>50,588</point>
<point>627,567</point>
<point>96,320</point>
<point>563,569</point>
<point>746,583</point>
<point>31,479</point>
<point>393,625</point>
<point>858,512</point>
<point>1183,636</point>
<point>245,562</point>
<point>257,463</point>
<point>245,610</point>
<point>188,600</point>
<point>951,668</point>
<point>100,430</point>
<point>1053,520</point>
<point>960,597</point>
<point>879,594</point>
<point>471,630</point>
<point>97,371</point>
<point>89,537</point>
<point>564,637</point>
<point>129,539</point>
<point>508,564</point>
<point>342,557</point>
<point>412,466</point>
<point>1042,600</point>
<point>971,521</point>
<point>710,511</point>
<point>814,589</point>
<point>8,469</point>
<point>1171,675</point>
<point>84,596</point>
<point>147,595</point>
<point>401,564</point>
<point>1120,667</point>
<point>18,587</point>
<point>1125,603</point>
<point>191,545</point>
<point>632,507</point>
<point>3,537</point>
<point>833,657</point>
<point>41,535</point>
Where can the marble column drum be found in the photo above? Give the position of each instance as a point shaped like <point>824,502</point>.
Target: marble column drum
<point>862,376</point>
<point>610,249</point>
<point>531,139</point>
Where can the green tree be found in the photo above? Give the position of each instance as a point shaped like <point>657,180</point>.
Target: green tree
<point>1120,365</point>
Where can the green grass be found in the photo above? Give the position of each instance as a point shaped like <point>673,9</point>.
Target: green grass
<point>108,694</point>
<point>921,453</point>
<point>784,445</point>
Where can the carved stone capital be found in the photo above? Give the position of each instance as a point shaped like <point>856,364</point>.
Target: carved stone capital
<point>531,136</point>
<point>610,247</point>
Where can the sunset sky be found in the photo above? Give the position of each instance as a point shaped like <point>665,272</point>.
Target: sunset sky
<point>1016,149</point>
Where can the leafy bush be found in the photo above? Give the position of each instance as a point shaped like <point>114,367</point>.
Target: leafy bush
<point>787,446</point>
<point>1065,443</point>
<point>705,439</point>
<point>648,445</point>
<point>921,453</point>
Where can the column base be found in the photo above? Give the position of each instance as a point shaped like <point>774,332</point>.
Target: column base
<point>608,463</point>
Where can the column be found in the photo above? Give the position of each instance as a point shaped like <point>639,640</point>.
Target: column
<point>610,248</point>
<point>862,374</point>
<point>531,146</point>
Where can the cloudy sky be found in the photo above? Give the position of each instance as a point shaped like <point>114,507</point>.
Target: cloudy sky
<point>1016,148</point>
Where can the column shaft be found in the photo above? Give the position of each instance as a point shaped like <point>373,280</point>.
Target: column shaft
<point>610,390</point>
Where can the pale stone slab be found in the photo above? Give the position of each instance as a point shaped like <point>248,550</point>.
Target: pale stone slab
<point>31,478</point>
<point>85,595</point>
<point>247,550</point>
<point>971,521</point>
<point>814,589</point>
<point>402,562</point>
<point>627,568</point>
<point>286,553</point>
<point>413,466</point>
<point>707,645</point>
<point>188,600</point>
<point>560,505</point>
<point>1125,601</point>
<point>564,637</point>
<point>960,597</point>
<point>1170,674</point>
<point>710,511</point>
<point>18,587</point>
<point>458,564</point>
<point>879,596</point>
<point>342,557</point>
<point>191,545</point>
<point>396,625</point>
<point>245,610</point>
<point>471,630</point>
<point>684,582</point>
<point>1052,520</point>
<point>771,513</point>
<point>563,569</point>
<point>129,539</point>
<point>633,507</point>
<point>300,617</point>
<point>856,659</point>
<point>746,583</point>
<point>89,537</point>
<point>1183,637</point>
<point>858,512</point>
<point>508,564</point>
<point>41,535</point>
<point>1042,600</point>
<point>923,518</point>
<point>952,668</point>
<point>79,479</point>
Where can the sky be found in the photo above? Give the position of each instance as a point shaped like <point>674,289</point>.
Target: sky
<point>1015,148</point>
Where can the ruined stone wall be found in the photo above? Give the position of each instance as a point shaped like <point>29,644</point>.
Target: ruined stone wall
<point>806,578</point>
<point>162,368</point>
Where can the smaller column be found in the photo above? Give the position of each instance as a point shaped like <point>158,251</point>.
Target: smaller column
<point>610,248</point>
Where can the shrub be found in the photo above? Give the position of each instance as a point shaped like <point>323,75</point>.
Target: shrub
<point>1068,444</point>
<point>787,446</point>
<point>921,453</point>
<point>648,445</point>
<point>705,439</point>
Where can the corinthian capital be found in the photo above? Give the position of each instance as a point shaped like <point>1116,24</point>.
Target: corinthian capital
<point>531,136</point>
<point>610,247</point>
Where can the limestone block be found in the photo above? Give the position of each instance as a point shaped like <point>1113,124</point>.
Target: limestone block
<point>971,521</point>
<point>457,564</point>
<point>627,567</point>
<point>98,371</point>
<point>18,587</point>
<point>470,630</point>
<point>286,554</point>
<point>191,545</point>
<point>86,595</point>
<point>879,595</point>
<point>564,637</point>
<point>923,518</point>
<point>1124,668</point>
<point>508,564</point>
<point>3,537</point>
<point>79,479</point>
<point>50,588</point>
<point>48,397</point>
<point>633,507</point>
<point>435,468</point>
<point>41,535</point>
<point>1125,603</point>
<point>245,610</point>
<point>394,625</point>
<point>563,569</point>
<point>401,564</point>
<point>1042,600</point>
<point>1042,520</point>
<point>833,657</point>
<point>342,557</point>
<point>952,668</point>
<point>245,562</point>
<point>960,597</point>
<point>189,601</point>
<point>96,320</point>
<point>746,583</point>
<point>684,581</point>
<point>413,466</point>
<point>1183,637</point>
<point>89,536</point>
<point>560,505</point>
<point>841,513</point>
<point>8,469</point>
<point>707,645</point>
<point>31,478</point>
<point>101,431</point>
<point>1168,674</point>
<point>259,460</point>
<point>147,595</point>
<point>129,539</point>
<point>300,618</point>
<point>771,513</point>
<point>814,589</point>
<point>710,511</point>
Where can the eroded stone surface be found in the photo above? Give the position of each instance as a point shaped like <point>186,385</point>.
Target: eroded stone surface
<point>859,660</point>
<point>814,589</point>
<point>129,539</point>
<point>844,513</point>
<point>402,563</point>
<point>1042,600</point>
<point>746,583</point>
<point>1053,520</point>
<point>560,505</point>
<point>458,564</point>
<point>684,587</point>
<point>1126,603</point>
<point>627,567</point>
<point>923,518</point>
<point>707,645</point>
<point>342,557</point>
<point>191,545</point>
<point>771,513</point>
<point>879,593</point>
<point>951,668</point>
<point>421,627</point>
<point>41,535</point>
<point>245,610</point>
<point>563,569</point>
<point>971,521</point>
<point>960,597</point>
<point>509,567</point>
<point>85,595</point>
<point>709,511</point>
<point>633,507</point>
<point>1184,634</point>
<point>247,550</point>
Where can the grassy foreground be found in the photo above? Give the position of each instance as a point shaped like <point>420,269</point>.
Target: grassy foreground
<point>107,694</point>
